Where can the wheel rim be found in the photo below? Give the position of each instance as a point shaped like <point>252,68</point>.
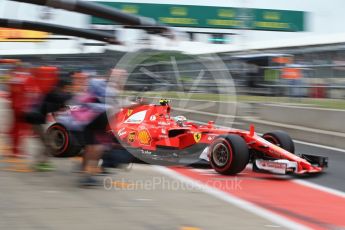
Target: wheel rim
<point>220,154</point>
<point>58,139</point>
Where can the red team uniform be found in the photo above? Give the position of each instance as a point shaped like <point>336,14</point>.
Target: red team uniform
<point>26,90</point>
<point>23,92</point>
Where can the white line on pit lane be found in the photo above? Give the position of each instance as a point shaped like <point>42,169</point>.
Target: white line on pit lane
<point>320,146</point>
<point>268,215</point>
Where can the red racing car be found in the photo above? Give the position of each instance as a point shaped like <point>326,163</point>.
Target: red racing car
<point>149,132</point>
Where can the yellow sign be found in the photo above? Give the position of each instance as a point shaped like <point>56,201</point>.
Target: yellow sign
<point>179,11</point>
<point>130,9</point>
<point>271,15</point>
<point>129,112</point>
<point>197,137</point>
<point>144,137</point>
<point>226,13</point>
<point>17,35</point>
<point>212,17</point>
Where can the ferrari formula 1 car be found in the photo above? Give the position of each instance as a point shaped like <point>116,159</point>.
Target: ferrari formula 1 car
<point>149,132</point>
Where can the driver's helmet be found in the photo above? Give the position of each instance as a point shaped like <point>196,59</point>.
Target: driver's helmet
<point>180,120</point>
<point>164,101</point>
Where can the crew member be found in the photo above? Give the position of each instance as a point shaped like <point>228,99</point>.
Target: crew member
<point>53,98</point>
<point>22,92</point>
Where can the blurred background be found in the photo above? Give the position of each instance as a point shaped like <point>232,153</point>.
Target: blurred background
<point>269,47</point>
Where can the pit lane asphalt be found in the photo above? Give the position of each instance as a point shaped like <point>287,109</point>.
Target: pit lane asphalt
<point>139,199</point>
<point>334,176</point>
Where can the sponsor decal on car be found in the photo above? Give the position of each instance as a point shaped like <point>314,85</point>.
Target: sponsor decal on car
<point>153,118</point>
<point>278,166</point>
<point>197,137</point>
<point>144,137</point>
<point>146,152</point>
<point>136,118</point>
<point>129,112</point>
<point>163,123</point>
<point>131,137</point>
<point>121,132</point>
<point>273,165</point>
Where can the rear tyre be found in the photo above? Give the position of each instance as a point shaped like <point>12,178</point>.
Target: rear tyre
<point>61,142</point>
<point>281,139</point>
<point>229,154</point>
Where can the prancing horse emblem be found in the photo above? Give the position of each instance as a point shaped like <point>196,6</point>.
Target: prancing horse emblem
<point>197,137</point>
<point>129,112</point>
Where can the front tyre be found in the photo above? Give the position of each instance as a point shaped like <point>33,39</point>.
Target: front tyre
<point>61,142</point>
<point>281,139</point>
<point>229,154</point>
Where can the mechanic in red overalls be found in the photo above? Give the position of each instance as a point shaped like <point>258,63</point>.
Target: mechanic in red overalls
<point>23,91</point>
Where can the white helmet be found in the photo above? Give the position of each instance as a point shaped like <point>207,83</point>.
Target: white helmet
<point>180,120</point>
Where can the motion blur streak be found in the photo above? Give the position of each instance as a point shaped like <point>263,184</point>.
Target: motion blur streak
<point>182,175</point>
<point>280,195</point>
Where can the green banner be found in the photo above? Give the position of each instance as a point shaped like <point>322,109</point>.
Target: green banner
<point>212,17</point>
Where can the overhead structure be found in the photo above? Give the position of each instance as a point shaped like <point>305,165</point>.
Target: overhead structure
<point>59,29</point>
<point>101,11</point>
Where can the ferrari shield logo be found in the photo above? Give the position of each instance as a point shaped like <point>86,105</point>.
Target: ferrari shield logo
<point>197,137</point>
<point>129,112</point>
